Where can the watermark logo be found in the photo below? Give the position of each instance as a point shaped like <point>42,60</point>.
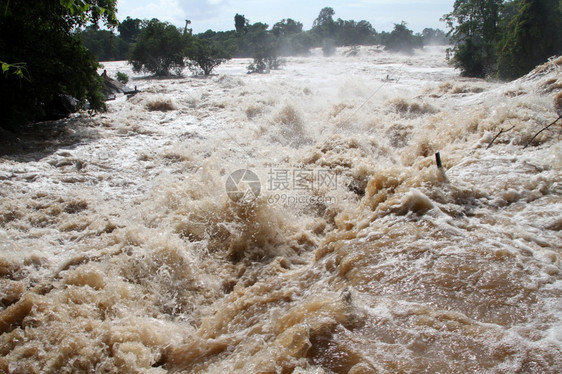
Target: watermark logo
<point>243,186</point>
<point>285,186</point>
<point>301,180</point>
<point>292,200</point>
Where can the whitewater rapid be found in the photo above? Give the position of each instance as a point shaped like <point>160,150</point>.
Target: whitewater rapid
<point>291,222</point>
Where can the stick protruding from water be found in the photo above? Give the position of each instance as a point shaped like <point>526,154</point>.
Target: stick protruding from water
<point>440,167</point>
<point>438,161</point>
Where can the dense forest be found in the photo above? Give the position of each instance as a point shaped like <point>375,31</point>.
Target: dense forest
<point>59,43</point>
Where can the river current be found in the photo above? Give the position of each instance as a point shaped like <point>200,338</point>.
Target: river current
<point>292,222</point>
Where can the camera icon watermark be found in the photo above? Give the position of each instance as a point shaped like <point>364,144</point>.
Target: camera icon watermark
<point>243,186</point>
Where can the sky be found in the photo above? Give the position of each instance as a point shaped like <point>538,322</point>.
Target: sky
<point>218,15</point>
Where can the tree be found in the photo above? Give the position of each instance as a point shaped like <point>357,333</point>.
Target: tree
<point>300,43</point>
<point>434,37</point>
<point>532,36</point>
<point>474,34</point>
<point>324,26</point>
<point>186,29</point>
<point>325,17</point>
<point>286,27</point>
<point>52,61</point>
<point>160,49</point>
<point>104,44</point>
<point>353,33</point>
<point>364,32</point>
<point>129,29</point>
<point>402,39</point>
<point>240,23</point>
<point>265,48</point>
<point>290,38</point>
<point>204,56</point>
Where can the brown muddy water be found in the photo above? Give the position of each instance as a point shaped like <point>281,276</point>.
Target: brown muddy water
<point>291,222</point>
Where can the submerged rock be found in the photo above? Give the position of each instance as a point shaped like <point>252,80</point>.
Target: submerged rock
<point>111,87</point>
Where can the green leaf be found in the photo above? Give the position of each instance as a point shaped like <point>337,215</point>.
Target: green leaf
<point>5,67</point>
<point>65,3</point>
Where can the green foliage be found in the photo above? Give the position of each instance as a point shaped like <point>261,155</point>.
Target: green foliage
<point>107,46</point>
<point>91,11</point>
<point>204,56</point>
<point>434,37</point>
<point>129,29</point>
<point>122,77</point>
<point>341,32</point>
<point>350,33</point>
<point>504,39</point>
<point>289,39</point>
<point>531,36</point>
<point>240,23</point>
<point>474,33</point>
<point>325,17</point>
<point>265,49</point>
<point>18,69</point>
<point>265,64</point>
<point>300,44</point>
<point>104,44</point>
<point>160,49</point>
<point>324,26</point>
<point>45,59</point>
<point>469,57</point>
<point>402,39</point>
<point>286,27</point>
<point>231,41</point>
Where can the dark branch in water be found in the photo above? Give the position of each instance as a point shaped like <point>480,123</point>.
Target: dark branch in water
<point>544,128</point>
<point>499,133</point>
<point>440,168</point>
<point>438,161</point>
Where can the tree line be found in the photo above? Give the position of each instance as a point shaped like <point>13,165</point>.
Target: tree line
<point>158,47</point>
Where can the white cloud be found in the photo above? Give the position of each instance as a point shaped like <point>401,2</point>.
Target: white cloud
<point>202,9</point>
<point>165,10</point>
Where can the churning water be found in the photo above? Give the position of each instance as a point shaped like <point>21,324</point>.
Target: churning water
<point>292,222</point>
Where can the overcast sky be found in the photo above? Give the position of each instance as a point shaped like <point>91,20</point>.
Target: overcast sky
<point>218,15</point>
